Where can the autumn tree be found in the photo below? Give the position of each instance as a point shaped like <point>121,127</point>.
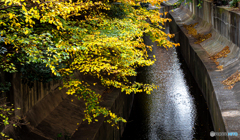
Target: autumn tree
<point>99,38</point>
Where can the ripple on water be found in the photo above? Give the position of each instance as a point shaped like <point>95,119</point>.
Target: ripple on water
<point>170,112</point>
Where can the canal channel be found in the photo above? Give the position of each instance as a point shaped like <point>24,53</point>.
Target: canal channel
<point>176,110</point>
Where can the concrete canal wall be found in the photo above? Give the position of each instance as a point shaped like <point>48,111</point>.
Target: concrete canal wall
<point>51,111</point>
<point>223,23</point>
<point>117,102</point>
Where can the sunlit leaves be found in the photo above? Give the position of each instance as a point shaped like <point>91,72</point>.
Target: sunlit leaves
<point>87,37</point>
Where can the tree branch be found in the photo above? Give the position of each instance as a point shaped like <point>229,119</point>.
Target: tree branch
<point>1,4</point>
<point>10,7</point>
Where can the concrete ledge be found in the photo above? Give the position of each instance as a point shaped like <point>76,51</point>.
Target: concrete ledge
<point>223,103</point>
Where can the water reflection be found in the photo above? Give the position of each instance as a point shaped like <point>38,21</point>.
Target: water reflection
<point>174,111</point>
<point>171,106</point>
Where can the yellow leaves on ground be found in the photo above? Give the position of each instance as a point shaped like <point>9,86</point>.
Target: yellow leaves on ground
<point>232,80</point>
<point>222,53</point>
<point>192,31</point>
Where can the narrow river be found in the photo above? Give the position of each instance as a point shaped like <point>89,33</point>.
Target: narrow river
<point>176,110</point>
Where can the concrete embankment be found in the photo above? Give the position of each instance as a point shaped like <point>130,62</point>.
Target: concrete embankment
<point>117,102</point>
<point>59,113</point>
<point>223,24</point>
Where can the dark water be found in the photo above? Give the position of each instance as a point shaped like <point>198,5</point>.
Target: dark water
<point>174,111</point>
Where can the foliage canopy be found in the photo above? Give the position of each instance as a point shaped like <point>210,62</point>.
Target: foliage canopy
<point>99,38</point>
